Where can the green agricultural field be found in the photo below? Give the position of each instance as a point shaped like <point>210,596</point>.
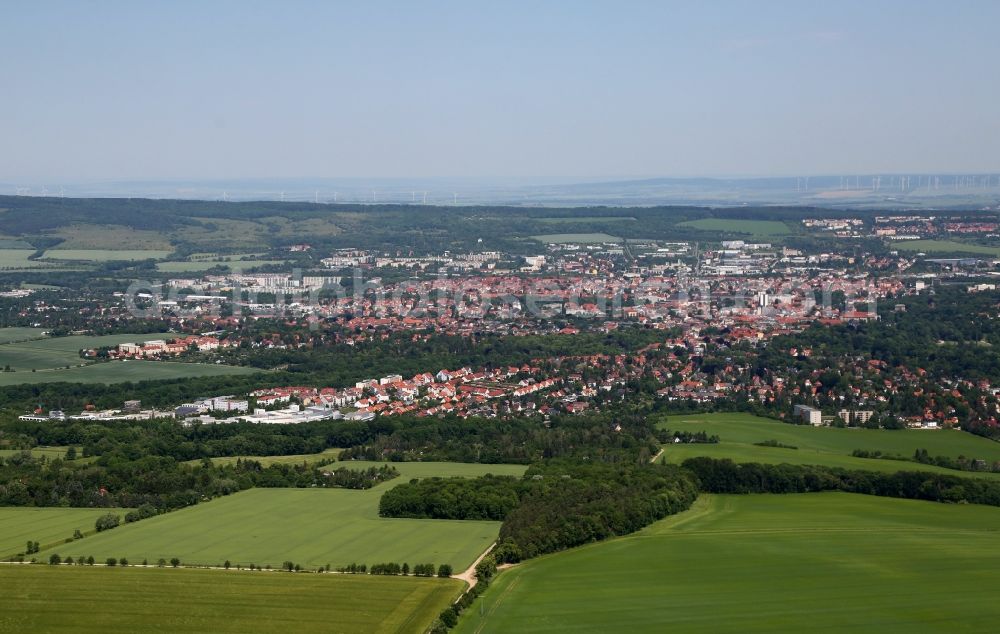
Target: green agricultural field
<point>13,243</point>
<point>18,259</point>
<point>269,460</point>
<point>47,526</point>
<point>106,255</point>
<point>584,219</point>
<point>832,562</point>
<point>311,527</point>
<point>122,371</point>
<point>582,238</point>
<point>58,352</point>
<point>945,247</point>
<point>827,446</point>
<point>8,335</point>
<point>98,599</point>
<point>50,356</point>
<point>755,228</point>
<point>204,265</point>
<point>41,452</point>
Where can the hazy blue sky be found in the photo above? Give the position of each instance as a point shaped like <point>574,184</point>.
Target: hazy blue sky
<point>114,90</point>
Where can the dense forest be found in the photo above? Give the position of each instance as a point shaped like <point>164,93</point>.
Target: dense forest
<point>163,483</point>
<point>726,476</point>
<point>604,437</point>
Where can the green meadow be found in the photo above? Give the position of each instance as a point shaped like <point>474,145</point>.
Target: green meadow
<point>47,526</point>
<point>755,228</point>
<point>944,247</point>
<point>561,220</point>
<point>827,446</point>
<point>106,255</point>
<point>123,371</point>
<point>311,527</point>
<point>55,352</point>
<point>54,359</point>
<point>99,599</point>
<point>297,459</point>
<point>8,335</point>
<point>18,259</point>
<point>50,453</point>
<point>832,562</point>
<point>204,265</point>
<point>583,238</point>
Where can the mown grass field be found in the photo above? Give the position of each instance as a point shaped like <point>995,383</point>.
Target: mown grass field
<point>826,446</point>
<point>8,335</point>
<point>944,247</point>
<point>106,255</point>
<point>97,599</point>
<point>122,371</point>
<point>831,562</point>
<point>56,352</point>
<point>17,259</point>
<point>194,267</point>
<point>50,356</point>
<point>563,238</point>
<point>38,452</point>
<point>292,459</point>
<point>311,527</point>
<point>561,220</point>
<point>47,526</point>
<point>756,228</point>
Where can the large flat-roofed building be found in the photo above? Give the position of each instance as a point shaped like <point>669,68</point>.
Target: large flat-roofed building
<point>809,414</point>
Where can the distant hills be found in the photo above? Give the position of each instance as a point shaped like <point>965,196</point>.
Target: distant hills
<point>893,191</point>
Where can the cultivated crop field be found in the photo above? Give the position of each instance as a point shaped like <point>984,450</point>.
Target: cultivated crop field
<point>18,259</point>
<point>50,453</point>
<point>311,527</point>
<point>122,371</point>
<point>8,335</point>
<point>98,599</point>
<point>47,526</point>
<point>564,238</point>
<point>584,219</point>
<point>289,459</point>
<point>55,352</point>
<point>106,255</point>
<point>204,265</point>
<point>827,446</point>
<point>945,246</point>
<point>50,356</point>
<point>832,562</point>
<point>756,228</point>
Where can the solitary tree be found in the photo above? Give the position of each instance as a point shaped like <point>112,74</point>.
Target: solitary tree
<point>174,561</point>
<point>54,559</point>
<point>111,561</point>
<point>444,570</point>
